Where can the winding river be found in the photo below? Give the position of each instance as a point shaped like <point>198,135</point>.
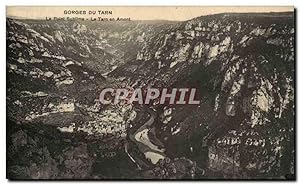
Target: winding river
<point>141,138</point>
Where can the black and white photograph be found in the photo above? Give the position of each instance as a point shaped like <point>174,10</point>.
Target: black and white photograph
<point>150,93</point>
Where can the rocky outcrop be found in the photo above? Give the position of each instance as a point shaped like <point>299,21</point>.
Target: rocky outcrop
<point>241,64</point>
<point>243,67</point>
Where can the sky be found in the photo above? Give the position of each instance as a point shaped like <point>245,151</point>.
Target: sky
<point>174,13</point>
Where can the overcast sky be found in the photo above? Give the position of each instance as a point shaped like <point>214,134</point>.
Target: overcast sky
<point>136,13</point>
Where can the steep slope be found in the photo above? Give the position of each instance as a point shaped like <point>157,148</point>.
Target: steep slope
<point>54,76</point>
<point>128,37</point>
<point>243,68</point>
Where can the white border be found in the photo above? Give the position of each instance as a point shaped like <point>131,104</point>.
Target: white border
<point>118,3</point>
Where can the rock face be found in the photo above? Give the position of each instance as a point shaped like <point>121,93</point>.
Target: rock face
<point>241,64</point>
<point>244,69</point>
